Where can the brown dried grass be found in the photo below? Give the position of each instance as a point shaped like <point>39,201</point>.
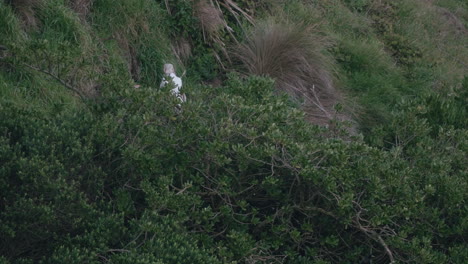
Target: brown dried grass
<point>81,7</point>
<point>25,9</point>
<point>182,49</point>
<point>211,18</point>
<point>213,25</point>
<point>291,55</point>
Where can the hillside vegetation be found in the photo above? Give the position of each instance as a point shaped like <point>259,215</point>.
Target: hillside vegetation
<point>315,131</point>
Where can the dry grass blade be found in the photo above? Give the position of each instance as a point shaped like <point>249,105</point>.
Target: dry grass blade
<point>210,17</point>
<point>234,8</point>
<point>212,24</point>
<point>291,55</point>
<point>130,54</point>
<point>182,49</point>
<point>25,9</point>
<point>81,7</point>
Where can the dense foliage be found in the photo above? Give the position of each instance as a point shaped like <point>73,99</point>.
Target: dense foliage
<point>238,177</point>
<point>95,171</point>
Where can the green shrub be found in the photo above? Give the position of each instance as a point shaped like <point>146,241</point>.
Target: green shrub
<point>237,175</point>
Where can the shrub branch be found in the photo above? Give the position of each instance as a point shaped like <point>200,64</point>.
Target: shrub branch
<point>62,82</point>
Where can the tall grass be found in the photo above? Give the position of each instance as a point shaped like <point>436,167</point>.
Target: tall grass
<point>368,67</point>
<point>82,7</point>
<point>121,40</point>
<point>291,55</point>
<point>137,28</point>
<point>442,33</point>
<point>26,10</point>
<point>18,84</point>
<point>10,26</point>
<point>68,51</point>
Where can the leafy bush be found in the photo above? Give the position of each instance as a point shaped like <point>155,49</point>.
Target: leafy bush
<point>237,175</point>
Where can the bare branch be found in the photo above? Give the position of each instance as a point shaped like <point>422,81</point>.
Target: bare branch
<point>62,82</point>
<point>373,235</point>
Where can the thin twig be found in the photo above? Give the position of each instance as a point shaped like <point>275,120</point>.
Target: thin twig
<point>57,79</point>
<point>376,237</point>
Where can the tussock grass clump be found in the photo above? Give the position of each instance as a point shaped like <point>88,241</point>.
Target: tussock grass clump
<point>210,17</point>
<point>25,9</point>
<point>213,24</point>
<point>291,55</point>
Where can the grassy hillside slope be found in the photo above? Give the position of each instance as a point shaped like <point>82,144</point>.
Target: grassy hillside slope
<point>93,170</point>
